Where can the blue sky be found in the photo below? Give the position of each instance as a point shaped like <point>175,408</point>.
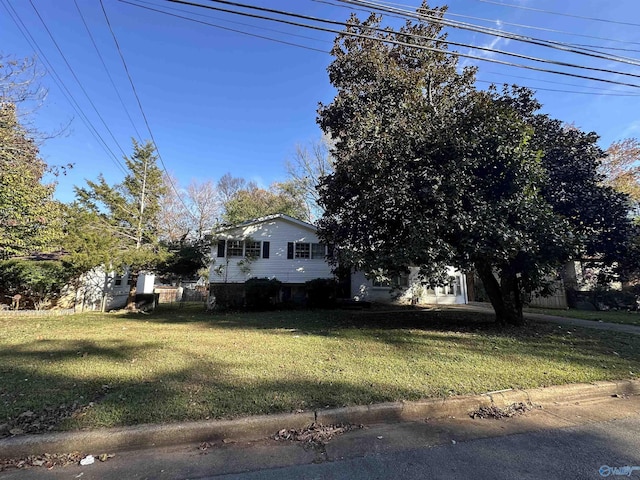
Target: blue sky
<point>219,101</point>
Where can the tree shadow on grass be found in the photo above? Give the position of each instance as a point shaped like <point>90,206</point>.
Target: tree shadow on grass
<point>54,350</point>
<point>181,395</point>
<point>406,328</point>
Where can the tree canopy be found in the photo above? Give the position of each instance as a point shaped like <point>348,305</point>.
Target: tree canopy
<point>28,213</point>
<point>254,202</point>
<point>128,212</point>
<point>430,171</point>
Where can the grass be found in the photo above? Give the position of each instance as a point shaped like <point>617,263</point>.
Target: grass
<point>628,318</point>
<point>183,364</point>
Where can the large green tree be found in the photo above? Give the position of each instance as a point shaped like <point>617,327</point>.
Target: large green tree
<point>128,212</point>
<point>28,214</point>
<point>430,171</point>
<point>254,202</point>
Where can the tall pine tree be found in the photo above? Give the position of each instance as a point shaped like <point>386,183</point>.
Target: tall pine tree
<point>129,213</point>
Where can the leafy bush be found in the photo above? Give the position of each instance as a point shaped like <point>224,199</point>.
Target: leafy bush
<point>226,296</point>
<point>39,282</point>
<point>321,292</point>
<point>261,293</point>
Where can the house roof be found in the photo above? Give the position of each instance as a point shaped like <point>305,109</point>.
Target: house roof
<point>267,218</point>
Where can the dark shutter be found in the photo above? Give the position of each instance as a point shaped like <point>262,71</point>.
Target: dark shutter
<point>330,251</point>
<point>221,244</point>
<point>290,250</point>
<point>265,249</point>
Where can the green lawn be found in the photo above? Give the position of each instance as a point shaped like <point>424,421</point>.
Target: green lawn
<point>180,364</point>
<point>630,318</point>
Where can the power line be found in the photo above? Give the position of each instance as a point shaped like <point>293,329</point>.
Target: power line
<point>420,15</point>
<point>73,73</point>
<point>594,19</point>
<point>585,48</point>
<point>519,25</point>
<point>306,37</point>
<point>63,88</point>
<point>106,69</point>
<point>549,81</point>
<point>303,46</point>
<point>227,28</point>
<point>416,46</point>
<point>144,116</point>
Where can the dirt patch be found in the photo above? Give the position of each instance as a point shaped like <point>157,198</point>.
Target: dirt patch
<point>496,412</point>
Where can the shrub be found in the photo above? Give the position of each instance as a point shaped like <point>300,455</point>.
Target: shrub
<point>39,282</point>
<point>321,292</point>
<point>226,296</point>
<point>261,293</point>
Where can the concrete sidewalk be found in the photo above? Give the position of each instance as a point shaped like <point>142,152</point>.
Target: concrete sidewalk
<point>566,439</point>
<point>569,322</point>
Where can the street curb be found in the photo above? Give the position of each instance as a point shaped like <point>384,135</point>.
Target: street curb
<point>259,427</point>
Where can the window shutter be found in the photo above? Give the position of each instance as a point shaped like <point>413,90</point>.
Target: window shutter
<point>221,244</point>
<point>290,250</point>
<point>330,251</point>
<point>265,249</point>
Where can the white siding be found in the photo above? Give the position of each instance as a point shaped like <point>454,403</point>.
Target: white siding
<point>362,289</point>
<point>279,232</point>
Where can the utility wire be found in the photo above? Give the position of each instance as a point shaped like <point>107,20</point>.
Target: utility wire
<point>598,49</point>
<point>305,47</point>
<point>227,28</point>
<point>22,28</point>
<point>519,25</point>
<point>144,116</point>
<point>73,73</point>
<point>416,46</point>
<point>306,37</point>
<point>605,90</point>
<point>437,19</point>
<point>420,15</point>
<point>113,84</point>
<point>594,19</point>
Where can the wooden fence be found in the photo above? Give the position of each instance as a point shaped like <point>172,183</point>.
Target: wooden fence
<point>172,295</point>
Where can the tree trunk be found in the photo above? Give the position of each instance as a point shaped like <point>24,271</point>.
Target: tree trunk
<point>131,299</point>
<point>504,295</point>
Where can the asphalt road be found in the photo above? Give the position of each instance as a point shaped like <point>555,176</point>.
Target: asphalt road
<point>570,453</point>
<point>563,441</point>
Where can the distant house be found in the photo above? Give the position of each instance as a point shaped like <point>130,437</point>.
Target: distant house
<point>289,250</point>
<point>98,286</point>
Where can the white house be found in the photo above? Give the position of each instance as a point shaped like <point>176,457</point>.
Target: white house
<point>281,247</point>
<point>98,286</point>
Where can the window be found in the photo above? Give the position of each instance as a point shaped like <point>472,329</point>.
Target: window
<point>306,250</point>
<point>117,280</point>
<point>318,250</point>
<point>401,280</point>
<point>235,248</point>
<point>252,249</point>
<point>303,250</point>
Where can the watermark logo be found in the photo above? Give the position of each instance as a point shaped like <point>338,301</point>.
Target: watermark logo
<point>626,471</point>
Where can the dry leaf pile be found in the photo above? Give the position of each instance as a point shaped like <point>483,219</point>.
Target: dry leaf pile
<point>315,434</point>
